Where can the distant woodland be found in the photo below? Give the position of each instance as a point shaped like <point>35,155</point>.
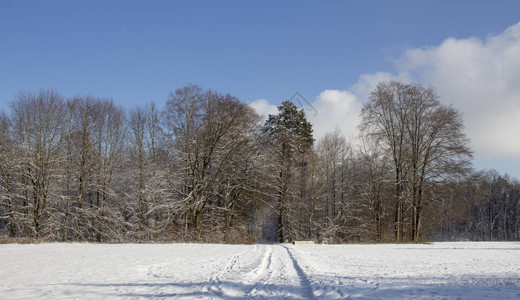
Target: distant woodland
<point>207,168</point>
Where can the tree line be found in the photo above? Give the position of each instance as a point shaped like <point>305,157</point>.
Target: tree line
<point>207,168</point>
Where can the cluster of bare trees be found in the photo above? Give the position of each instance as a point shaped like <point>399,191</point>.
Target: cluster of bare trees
<point>84,169</point>
<point>205,167</point>
<point>59,166</point>
<point>483,207</point>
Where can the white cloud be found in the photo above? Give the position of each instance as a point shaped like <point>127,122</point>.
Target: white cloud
<point>481,78</point>
<point>335,109</point>
<point>264,108</point>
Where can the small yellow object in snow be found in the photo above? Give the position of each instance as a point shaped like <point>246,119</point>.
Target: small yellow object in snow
<point>303,243</point>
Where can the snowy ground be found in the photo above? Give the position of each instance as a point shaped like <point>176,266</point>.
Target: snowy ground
<point>91,271</point>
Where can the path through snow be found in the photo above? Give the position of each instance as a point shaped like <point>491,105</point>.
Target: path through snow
<point>194,271</point>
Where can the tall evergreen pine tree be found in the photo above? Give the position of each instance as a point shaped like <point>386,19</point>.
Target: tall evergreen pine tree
<point>288,133</point>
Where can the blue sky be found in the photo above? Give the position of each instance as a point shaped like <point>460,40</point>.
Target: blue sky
<point>137,51</point>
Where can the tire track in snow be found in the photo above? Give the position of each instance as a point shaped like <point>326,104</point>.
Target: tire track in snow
<point>215,281</point>
<point>301,274</point>
<point>269,271</point>
<point>322,288</point>
<point>262,275</point>
<point>279,276</point>
<point>262,268</point>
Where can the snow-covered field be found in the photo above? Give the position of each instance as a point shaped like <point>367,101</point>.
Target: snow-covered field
<point>184,271</point>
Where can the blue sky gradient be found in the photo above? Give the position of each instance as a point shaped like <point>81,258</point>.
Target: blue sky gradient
<point>137,51</point>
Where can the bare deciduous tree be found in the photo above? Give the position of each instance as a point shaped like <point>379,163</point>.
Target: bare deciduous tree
<point>7,174</point>
<point>208,130</point>
<point>424,139</point>
<point>38,122</point>
<point>384,118</point>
